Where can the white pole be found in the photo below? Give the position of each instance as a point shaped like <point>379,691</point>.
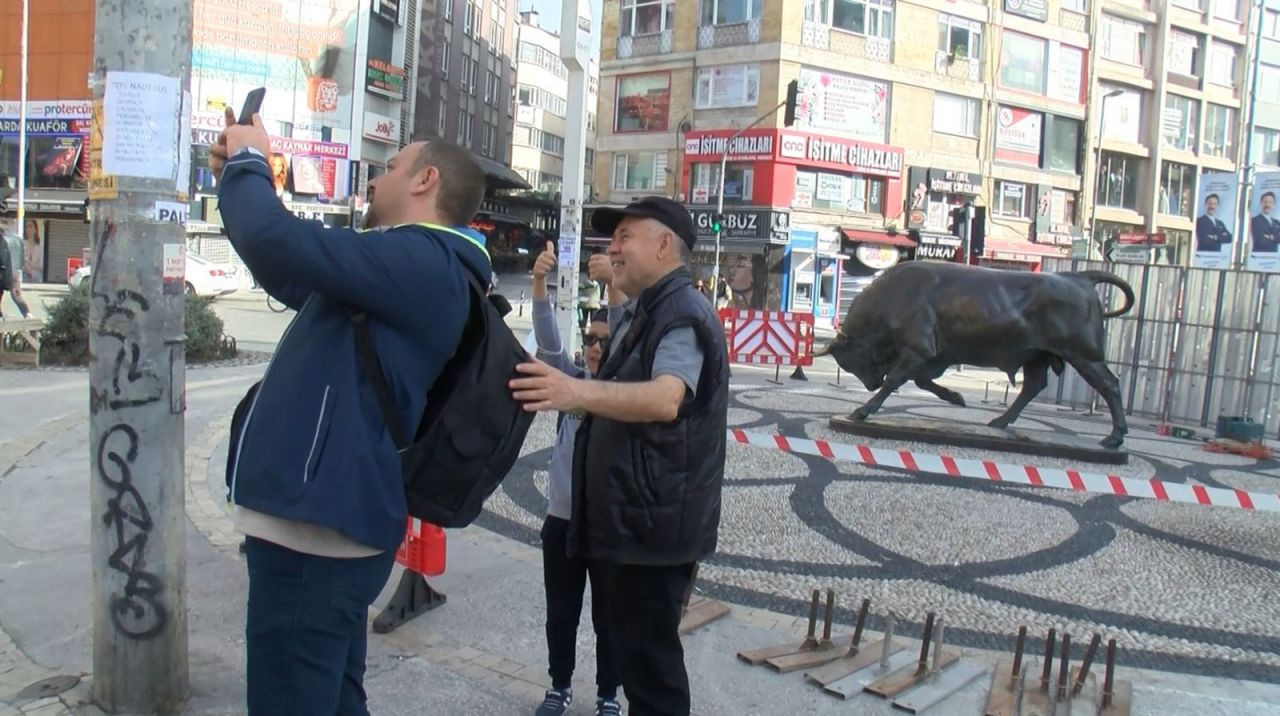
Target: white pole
<point>22,127</point>
<point>575,50</point>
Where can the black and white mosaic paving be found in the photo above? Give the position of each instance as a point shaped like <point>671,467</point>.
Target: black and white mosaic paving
<point>1181,587</point>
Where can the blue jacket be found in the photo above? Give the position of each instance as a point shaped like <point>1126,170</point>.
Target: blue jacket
<point>314,447</point>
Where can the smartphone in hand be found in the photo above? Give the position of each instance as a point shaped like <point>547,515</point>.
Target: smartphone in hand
<point>252,105</point>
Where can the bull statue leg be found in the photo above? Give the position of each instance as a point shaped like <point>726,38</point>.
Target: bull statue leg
<point>1035,378</point>
<point>1100,378</point>
<point>898,376</point>
<point>945,393</point>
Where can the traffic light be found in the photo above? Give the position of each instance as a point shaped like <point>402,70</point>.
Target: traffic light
<point>717,223</point>
<point>793,96</point>
<point>956,221</point>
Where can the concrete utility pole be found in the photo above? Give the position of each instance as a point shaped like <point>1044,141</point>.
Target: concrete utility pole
<point>22,126</point>
<point>137,396</point>
<point>1248,172</point>
<point>575,51</point>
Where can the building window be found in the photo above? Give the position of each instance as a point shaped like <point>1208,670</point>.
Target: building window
<point>1178,126</point>
<point>448,10</point>
<point>1062,207</point>
<point>1269,84</point>
<point>1022,63</point>
<point>490,139</point>
<point>542,99</point>
<point>468,18</point>
<point>475,21</point>
<point>728,86</point>
<point>544,58</point>
<point>729,12</point>
<point>1122,114</point>
<point>960,37</point>
<point>1266,147</point>
<point>646,17</point>
<point>474,79</point>
<point>1226,9</point>
<point>873,18</point>
<point>1189,4</point>
<point>491,89</point>
<point>1011,200</point>
<point>643,103</point>
<point>442,118</point>
<point>1080,6</point>
<point>1271,24</point>
<point>1219,131</point>
<point>955,115</point>
<point>737,182</point>
<point>852,193</point>
<point>1124,41</point>
<point>1118,181</point>
<point>1177,189</point>
<point>634,171</point>
<point>1184,54</point>
<point>446,50</point>
<point>1061,144</point>
<point>1222,64</point>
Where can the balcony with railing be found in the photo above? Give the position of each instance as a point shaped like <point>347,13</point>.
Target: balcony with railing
<point>1075,21</point>
<point>655,43</point>
<point>728,35</point>
<point>823,37</point>
<point>956,67</point>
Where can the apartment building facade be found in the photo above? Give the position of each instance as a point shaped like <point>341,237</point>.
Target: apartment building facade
<point>538,142</point>
<point>909,108</point>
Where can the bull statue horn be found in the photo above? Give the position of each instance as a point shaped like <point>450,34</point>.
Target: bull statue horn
<point>827,349</point>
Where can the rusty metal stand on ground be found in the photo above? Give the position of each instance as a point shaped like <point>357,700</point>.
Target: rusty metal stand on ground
<point>1117,696</point>
<point>891,685</point>
<point>1002,699</point>
<point>697,612</point>
<point>757,657</point>
<point>945,678</point>
<point>891,659</point>
<point>413,597</point>
<point>857,657</point>
<point>837,383</point>
<point>825,651</point>
<point>1038,701</point>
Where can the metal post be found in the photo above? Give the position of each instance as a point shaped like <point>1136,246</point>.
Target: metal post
<point>22,127</point>
<point>1239,253</point>
<point>724,160</point>
<point>576,30</point>
<point>137,393</point>
<point>1097,169</point>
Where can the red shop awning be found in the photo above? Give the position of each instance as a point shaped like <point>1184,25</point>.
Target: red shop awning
<point>865,236</point>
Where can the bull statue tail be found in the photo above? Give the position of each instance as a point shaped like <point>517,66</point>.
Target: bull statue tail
<point>1109,278</point>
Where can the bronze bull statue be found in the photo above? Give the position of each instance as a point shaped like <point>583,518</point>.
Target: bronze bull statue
<point>919,318</point>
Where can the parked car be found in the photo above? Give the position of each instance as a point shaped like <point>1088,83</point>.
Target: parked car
<point>203,277</point>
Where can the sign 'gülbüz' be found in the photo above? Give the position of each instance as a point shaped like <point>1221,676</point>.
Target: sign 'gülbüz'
<point>759,224</point>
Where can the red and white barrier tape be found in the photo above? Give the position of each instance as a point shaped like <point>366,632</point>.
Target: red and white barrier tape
<point>1017,474</point>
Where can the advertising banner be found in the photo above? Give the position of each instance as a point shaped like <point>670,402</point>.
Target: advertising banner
<point>1018,135</point>
<point>1264,223</point>
<point>1215,219</point>
<point>835,102</point>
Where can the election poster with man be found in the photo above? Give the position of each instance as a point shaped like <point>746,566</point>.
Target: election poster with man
<point>1215,220</point>
<point>1263,224</point>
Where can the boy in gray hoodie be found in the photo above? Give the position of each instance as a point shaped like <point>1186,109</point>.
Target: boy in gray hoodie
<point>565,577</point>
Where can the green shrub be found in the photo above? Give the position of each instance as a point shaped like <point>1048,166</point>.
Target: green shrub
<point>65,340</point>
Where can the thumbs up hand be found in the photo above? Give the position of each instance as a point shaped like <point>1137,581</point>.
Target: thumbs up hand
<point>545,263</point>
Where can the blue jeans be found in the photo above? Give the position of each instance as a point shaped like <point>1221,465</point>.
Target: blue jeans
<point>307,630</point>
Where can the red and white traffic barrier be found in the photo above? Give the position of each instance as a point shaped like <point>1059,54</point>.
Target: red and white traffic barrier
<point>1017,474</point>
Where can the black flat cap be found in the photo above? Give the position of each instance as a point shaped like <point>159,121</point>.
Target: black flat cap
<point>670,213</point>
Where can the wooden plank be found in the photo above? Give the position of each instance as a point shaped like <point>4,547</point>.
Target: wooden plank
<point>867,655</point>
<point>816,657</point>
<point>907,677</point>
<point>759,656</point>
<point>700,613</point>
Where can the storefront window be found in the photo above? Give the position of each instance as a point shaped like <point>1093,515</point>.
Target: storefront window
<point>1118,181</point>
<point>737,182</point>
<point>1011,200</point>
<point>634,171</point>
<point>1022,63</point>
<point>1177,189</point>
<point>839,192</point>
<point>643,103</point>
<point>1062,144</point>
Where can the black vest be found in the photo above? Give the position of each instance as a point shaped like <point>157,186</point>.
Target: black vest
<point>649,493</point>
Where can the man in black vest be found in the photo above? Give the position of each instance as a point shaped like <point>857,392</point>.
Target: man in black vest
<point>649,459</point>
<point>1264,229</point>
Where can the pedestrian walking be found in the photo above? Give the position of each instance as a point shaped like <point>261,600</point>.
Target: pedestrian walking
<point>314,472</point>
<point>11,274</point>
<point>564,577</point>
<point>649,457</point>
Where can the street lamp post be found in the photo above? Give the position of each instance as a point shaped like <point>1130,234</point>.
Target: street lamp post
<point>1097,161</point>
<point>22,127</point>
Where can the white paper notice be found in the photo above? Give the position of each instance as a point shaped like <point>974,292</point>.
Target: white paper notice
<point>184,146</point>
<point>140,111</point>
<point>568,249</point>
